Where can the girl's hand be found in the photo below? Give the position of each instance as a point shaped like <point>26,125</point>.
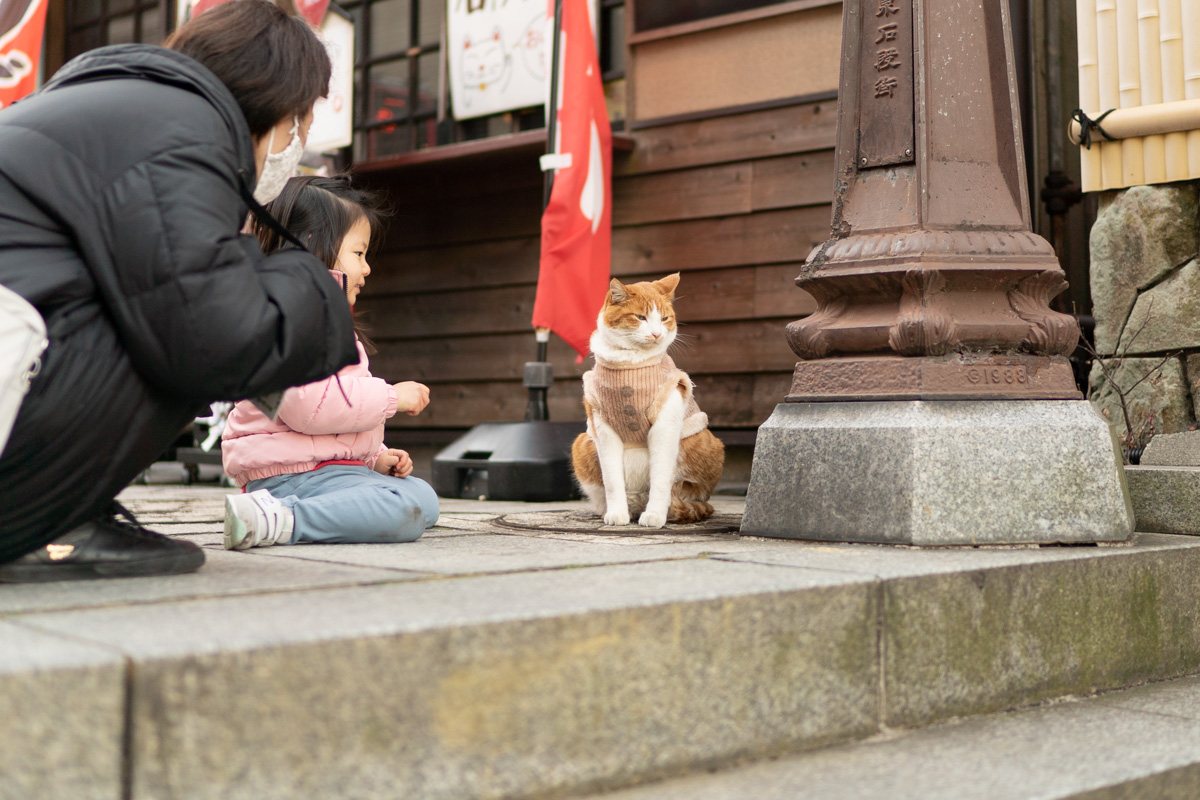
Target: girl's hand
<point>386,462</point>
<point>396,463</point>
<point>411,397</point>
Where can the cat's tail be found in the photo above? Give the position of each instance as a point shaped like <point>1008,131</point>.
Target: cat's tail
<point>685,511</point>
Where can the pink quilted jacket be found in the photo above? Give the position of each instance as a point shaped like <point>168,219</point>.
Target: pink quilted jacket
<point>315,424</point>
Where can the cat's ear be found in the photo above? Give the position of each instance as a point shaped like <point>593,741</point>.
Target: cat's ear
<point>617,293</point>
<point>667,285</point>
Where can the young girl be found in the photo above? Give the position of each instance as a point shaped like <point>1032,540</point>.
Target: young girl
<point>319,472</point>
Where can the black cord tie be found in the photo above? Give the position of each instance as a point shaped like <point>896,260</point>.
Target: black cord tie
<point>1087,125</point>
<point>262,215</point>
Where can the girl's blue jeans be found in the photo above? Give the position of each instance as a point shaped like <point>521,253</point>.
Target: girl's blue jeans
<point>346,503</point>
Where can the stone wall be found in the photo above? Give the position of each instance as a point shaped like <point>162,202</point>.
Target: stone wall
<point>1145,281</point>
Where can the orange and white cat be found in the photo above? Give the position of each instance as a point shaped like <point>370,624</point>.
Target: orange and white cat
<point>647,450</point>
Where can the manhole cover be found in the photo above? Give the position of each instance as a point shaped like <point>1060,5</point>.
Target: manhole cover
<point>588,522</point>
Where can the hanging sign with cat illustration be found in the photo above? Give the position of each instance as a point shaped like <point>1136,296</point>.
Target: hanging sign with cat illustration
<point>499,55</point>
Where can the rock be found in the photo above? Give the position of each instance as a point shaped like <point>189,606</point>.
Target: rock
<point>1139,237</point>
<point>1159,404</point>
<point>1165,317</point>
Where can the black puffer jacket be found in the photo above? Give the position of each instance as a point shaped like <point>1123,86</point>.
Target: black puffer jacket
<point>121,188</point>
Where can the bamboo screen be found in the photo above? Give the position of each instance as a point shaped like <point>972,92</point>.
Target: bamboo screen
<point>1138,53</point>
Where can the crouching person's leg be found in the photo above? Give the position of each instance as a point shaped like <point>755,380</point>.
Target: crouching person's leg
<point>335,504</point>
<point>86,429</point>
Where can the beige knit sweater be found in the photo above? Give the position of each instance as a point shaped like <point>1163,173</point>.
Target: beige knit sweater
<point>629,397</point>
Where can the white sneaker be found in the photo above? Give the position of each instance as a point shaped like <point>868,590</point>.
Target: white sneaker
<point>256,519</point>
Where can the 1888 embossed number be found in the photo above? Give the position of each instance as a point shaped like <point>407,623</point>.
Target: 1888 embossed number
<point>997,375</point>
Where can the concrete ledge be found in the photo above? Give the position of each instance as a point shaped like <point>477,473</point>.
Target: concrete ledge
<point>579,679</point>
<point>1165,499</point>
<point>62,714</point>
<point>492,687</point>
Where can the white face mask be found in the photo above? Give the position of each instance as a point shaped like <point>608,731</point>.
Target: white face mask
<point>278,167</point>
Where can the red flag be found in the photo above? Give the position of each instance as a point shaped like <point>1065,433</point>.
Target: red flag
<point>577,224</point>
<point>21,26</point>
<point>312,10</point>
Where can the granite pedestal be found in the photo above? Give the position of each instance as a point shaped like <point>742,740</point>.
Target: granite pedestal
<point>938,473</point>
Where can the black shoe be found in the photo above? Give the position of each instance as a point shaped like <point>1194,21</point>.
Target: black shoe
<point>106,547</point>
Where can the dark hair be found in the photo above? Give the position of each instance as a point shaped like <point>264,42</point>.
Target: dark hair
<point>274,64</point>
<point>320,212</point>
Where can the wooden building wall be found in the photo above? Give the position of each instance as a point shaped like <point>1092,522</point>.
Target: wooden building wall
<point>734,203</point>
<point>734,199</point>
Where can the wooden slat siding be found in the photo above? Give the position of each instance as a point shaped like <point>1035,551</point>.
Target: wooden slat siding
<point>754,61</point>
<point>762,238</point>
<point>731,400</point>
<point>769,391</point>
<point>684,194</point>
<point>798,180</point>
<point>467,312</point>
<point>466,404</point>
<point>735,212</point>
<point>703,296</point>
<point>505,262</point>
<point>723,140</point>
<point>703,348</point>
<point>777,295</point>
<point>466,220</point>
<point>723,190</point>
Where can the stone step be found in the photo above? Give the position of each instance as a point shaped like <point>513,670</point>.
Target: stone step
<point>1136,743</point>
<point>484,662</point>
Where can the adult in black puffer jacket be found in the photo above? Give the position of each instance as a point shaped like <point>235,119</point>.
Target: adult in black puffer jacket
<point>124,183</point>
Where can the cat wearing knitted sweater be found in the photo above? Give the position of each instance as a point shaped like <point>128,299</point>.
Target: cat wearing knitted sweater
<point>647,450</point>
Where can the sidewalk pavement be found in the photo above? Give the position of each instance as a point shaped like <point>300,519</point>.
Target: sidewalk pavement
<point>467,541</point>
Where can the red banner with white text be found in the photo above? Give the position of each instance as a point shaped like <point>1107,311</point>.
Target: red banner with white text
<point>21,25</point>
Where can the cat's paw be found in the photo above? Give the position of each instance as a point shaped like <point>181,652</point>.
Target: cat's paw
<point>652,519</point>
<point>617,517</point>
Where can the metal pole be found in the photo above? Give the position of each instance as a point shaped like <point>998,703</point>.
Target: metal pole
<point>539,374</point>
<point>552,105</point>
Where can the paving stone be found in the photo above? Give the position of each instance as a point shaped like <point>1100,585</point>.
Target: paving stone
<point>490,687</point>
<point>1106,748</point>
<point>588,521</point>
<point>187,528</point>
<point>467,555</point>
<point>1165,499</point>
<point>1180,698</point>
<point>497,507</point>
<point>62,711</point>
<point>224,573</point>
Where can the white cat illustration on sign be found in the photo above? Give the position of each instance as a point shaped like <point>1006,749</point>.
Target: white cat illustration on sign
<point>486,64</point>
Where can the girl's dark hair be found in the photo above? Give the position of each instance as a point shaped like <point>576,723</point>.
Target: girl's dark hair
<point>320,212</point>
<point>273,63</point>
